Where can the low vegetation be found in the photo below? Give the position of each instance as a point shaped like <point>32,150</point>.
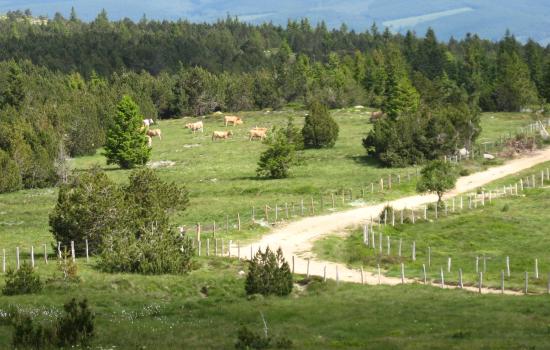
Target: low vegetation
<point>269,274</point>
<point>22,281</point>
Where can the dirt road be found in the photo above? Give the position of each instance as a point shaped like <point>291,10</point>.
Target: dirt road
<point>296,238</point>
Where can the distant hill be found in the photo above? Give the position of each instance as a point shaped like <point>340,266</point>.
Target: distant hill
<point>488,18</point>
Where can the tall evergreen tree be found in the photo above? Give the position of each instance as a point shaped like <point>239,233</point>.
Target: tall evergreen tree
<point>320,129</point>
<point>126,143</point>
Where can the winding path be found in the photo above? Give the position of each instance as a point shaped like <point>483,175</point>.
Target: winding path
<point>296,238</point>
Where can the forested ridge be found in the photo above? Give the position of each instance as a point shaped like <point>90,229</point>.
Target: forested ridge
<point>60,81</point>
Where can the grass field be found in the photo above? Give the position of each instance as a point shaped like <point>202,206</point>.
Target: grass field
<point>515,227</point>
<point>220,175</point>
<point>204,310</point>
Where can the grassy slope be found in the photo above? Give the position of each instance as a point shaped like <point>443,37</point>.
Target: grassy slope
<point>220,175</point>
<point>171,312</point>
<point>519,231</point>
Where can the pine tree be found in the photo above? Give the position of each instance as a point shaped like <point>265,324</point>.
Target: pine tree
<point>320,129</point>
<point>126,141</point>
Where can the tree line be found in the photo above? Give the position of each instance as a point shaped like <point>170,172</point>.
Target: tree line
<point>61,82</point>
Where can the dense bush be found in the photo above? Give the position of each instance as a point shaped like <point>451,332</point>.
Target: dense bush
<point>269,273</point>
<point>22,281</point>
<point>11,176</point>
<point>320,130</point>
<point>128,225</point>
<point>126,143</point>
<point>275,162</point>
<point>88,207</point>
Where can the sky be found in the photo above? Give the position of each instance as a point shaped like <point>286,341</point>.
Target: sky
<point>488,18</point>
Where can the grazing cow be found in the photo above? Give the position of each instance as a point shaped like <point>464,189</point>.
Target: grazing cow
<point>257,133</point>
<point>149,141</point>
<point>154,132</point>
<point>148,122</point>
<point>198,126</point>
<point>222,135</point>
<point>376,115</point>
<point>231,119</point>
<point>463,152</point>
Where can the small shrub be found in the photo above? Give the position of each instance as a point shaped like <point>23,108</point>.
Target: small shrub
<point>386,213</point>
<point>505,208</point>
<point>31,335</point>
<point>268,274</point>
<point>247,339</point>
<point>464,172</point>
<point>275,162</point>
<point>68,268</point>
<point>22,281</point>
<point>76,326</point>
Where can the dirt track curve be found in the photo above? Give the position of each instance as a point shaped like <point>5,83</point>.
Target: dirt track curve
<point>296,238</point>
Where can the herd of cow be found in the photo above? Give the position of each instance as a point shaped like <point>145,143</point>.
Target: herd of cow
<point>255,133</point>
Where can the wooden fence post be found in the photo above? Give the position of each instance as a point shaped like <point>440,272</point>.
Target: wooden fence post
<point>199,246</point>
<point>449,264</point>
<point>337,276</point>
<point>442,277</point>
<point>480,286</point>
<point>17,257</point>
<point>32,256</point>
<point>381,185</point>
<point>401,216</point>
<point>536,268</point>
<point>87,252</point>
<point>400,244</point>
<point>460,285</point>
<point>46,254</point>
<point>286,210</point>
<point>508,266</point>
<point>414,251</point>
<point>380,241</point>
<point>502,281</point>
<point>477,264</point>
<point>59,250</point>
<point>424,273</point>
<point>402,273</point>
<point>293,264</point>
<point>325,273</point>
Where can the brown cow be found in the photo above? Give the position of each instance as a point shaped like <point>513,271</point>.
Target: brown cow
<point>231,119</point>
<point>376,115</point>
<point>198,126</point>
<point>257,133</point>
<point>154,132</point>
<point>222,135</point>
